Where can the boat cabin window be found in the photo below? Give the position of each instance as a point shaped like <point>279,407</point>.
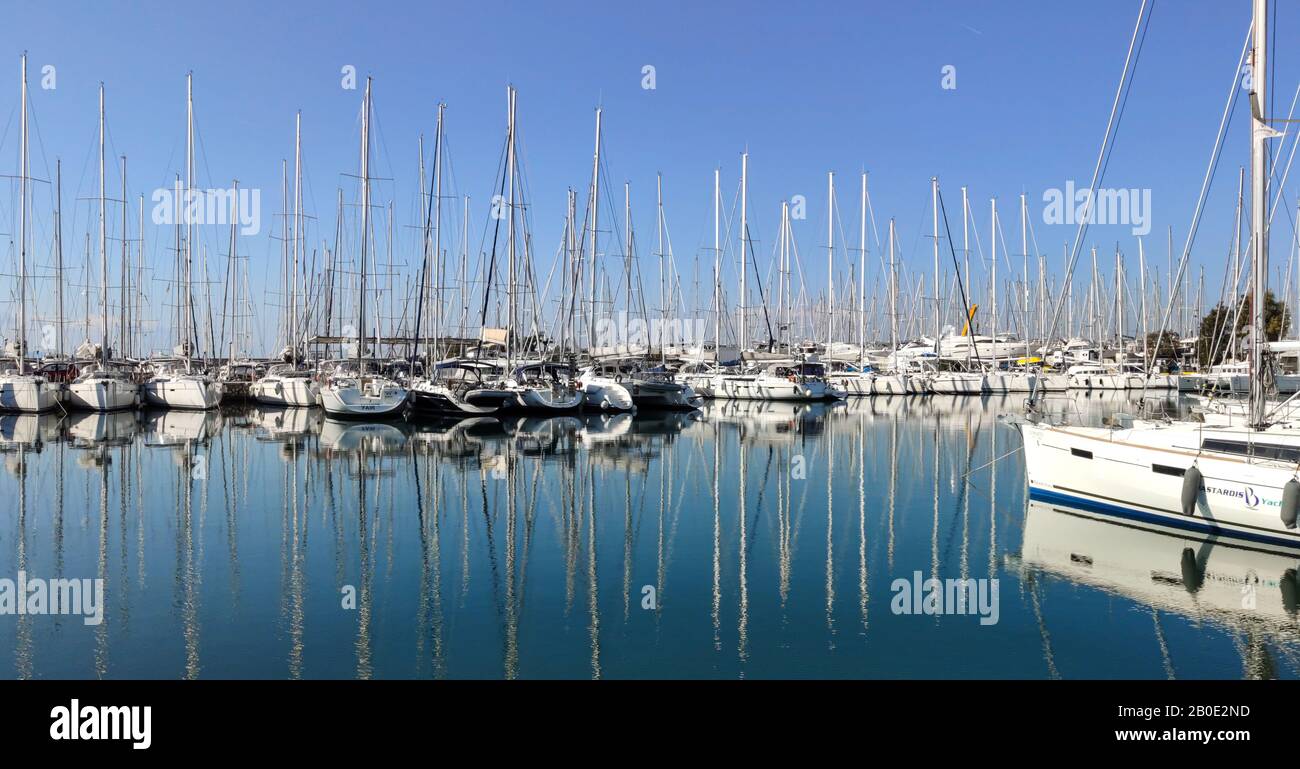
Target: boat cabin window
<point>1259,450</point>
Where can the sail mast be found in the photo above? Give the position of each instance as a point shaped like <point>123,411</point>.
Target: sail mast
<point>938,320</point>
<point>22,234</point>
<point>744,242</point>
<point>1260,133</point>
<point>595,211</point>
<point>365,226</point>
<point>58,249</point>
<point>297,238</point>
<point>126,274</point>
<point>103,235</point>
<point>717,268</point>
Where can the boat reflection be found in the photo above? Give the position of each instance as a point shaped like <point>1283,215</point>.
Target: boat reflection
<point>1252,594</point>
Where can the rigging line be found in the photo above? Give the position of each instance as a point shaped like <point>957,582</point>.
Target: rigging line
<point>1205,188</point>
<point>1112,125</point>
<point>960,284</point>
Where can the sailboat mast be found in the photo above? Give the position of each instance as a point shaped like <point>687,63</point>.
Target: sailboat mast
<point>190,331</point>
<point>297,238</point>
<point>1260,133</point>
<point>510,231</point>
<point>717,267</point>
<point>595,213</point>
<point>126,274</point>
<point>862,275</point>
<point>783,245</point>
<point>744,241</point>
<point>365,228</point>
<point>1142,290</point>
<point>232,273</point>
<point>893,295</point>
<point>58,249</point>
<point>993,279</point>
<point>436,295</point>
<point>103,234</point>
<point>22,234</point>
<point>830,258</point>
<point>969,320</point>
<point>1024,275</point>
<point>934,210</point>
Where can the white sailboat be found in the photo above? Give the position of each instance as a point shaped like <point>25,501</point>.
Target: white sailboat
<point>291,384</point>
<point>1238,481</point>
<point>175,383</point>
<point>358,390</point>
<point>19,390</point>
<point>104,385</point>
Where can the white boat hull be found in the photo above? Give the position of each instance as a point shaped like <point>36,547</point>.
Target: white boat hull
<point>183,392</point>
<point>1139,475</point>
<point>27,394</point>
<point>103,395</point>
<point>853,383</point>
<point>957,383</point>
<point>545,401</point>
<point>286,391</point>
<point>766,388</point>
<point>351,401</point>
<point>606,395</point>
<point>889,384</point>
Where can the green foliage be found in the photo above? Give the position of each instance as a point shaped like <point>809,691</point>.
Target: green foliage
<point>1217,327</point>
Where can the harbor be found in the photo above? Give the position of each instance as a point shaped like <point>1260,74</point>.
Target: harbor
<point>228,541</point>
<point>373,374</point>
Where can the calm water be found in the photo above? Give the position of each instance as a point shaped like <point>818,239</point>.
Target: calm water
<point>763,538</point>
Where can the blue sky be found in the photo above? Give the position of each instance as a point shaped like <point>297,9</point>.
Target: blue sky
<point>807,88</point>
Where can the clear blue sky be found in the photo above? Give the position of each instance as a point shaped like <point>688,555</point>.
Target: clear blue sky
<point>806,87</point>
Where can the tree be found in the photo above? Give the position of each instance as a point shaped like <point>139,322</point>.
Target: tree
<point>1164,347</point>
<point>1217,328</point>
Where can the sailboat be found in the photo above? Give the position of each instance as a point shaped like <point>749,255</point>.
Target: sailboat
<point>175,382</point>
<point>622,378</point>
<point>290,383</point>
<point>781,380</point>
<point>19,390</point>
<point>538,387</point>
<point>357,390</point>
<point>452,387</point>
<point>1236,481</point>
<point>105,384</point>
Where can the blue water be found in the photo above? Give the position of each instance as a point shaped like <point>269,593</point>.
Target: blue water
<point>744,541</point>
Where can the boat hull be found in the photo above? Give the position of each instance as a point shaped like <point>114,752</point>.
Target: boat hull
<point>353,402</point>
<point>766,388</point>
<point>429,398</point>
<point>27,394</point>
<point>183,392</point>
<point>1140,474</point>
<point>293,392</point>
<point>103,395</point>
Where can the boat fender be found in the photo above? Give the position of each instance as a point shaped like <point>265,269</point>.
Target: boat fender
<point>1193,574</point>
<point>1290,501</point>
<point>1191,489</point>
<point>1290,591</point>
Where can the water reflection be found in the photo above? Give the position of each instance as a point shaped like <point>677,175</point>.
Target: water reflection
<point>744,540</point>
